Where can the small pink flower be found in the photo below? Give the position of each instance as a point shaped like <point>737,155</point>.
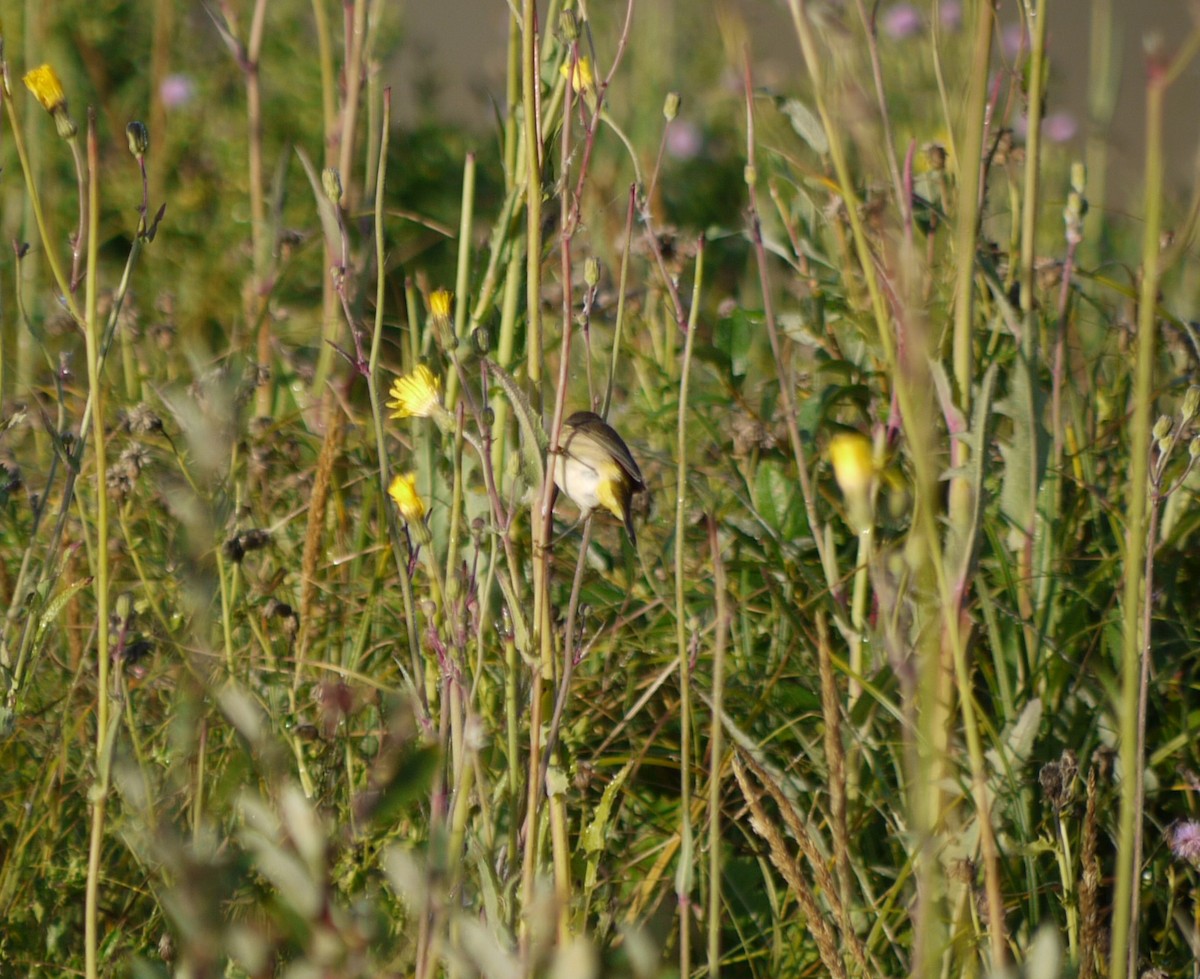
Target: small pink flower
<point>1060,127</point>
<point>1184,840</point>
<point>684,140</point>
<point>1012,40</point>
<point>950,14</point>
<point>177,91</point>
<point>901,21</point>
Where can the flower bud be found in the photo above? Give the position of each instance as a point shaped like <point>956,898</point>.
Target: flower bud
<point>569,25</point>
<point>1191,403</point>
<point>1162,427</point>
<point>440,301</point>
<point>331,181</point>
<point>403,491</point>
<point>139,139</point>
<point>591,272</point>
<point>482,340</point>
<point>671,106</point>
<point>1078,177</point>
<point>1194,448</point>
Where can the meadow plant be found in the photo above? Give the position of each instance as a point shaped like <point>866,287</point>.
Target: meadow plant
<point>308,671</point>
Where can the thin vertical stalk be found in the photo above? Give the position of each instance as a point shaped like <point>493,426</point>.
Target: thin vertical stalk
<point>683,877</point>
<point>462,275</point>
<point>1103,82</point>
<point>400,552</point>
<point>1124,928</point>
<point>92,342</point>
<point>716,750</point>
<point>258,206</point>
<point>533,199</point>
<point>328,83</point>
<point>966,229</point>
<point>1033,142</point>
<point>1033,580</point>
<point>542,638</point>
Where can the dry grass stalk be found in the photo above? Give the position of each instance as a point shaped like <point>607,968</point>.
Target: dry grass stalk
<point>815,918</point>
<point>315,529</point>
<point>831,710</point>
<point>1091,943</point>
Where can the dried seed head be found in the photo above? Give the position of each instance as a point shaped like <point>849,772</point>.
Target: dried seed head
<point>141,420</point>
<point>1057,779</point>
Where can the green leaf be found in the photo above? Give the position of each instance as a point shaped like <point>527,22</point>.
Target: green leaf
<point>806,124</point>
<point>734,337</point>
<point>777,500</point>
<point>56,606</point>
<point>410,781</point>
<point>596,833</point>
<point>329,221</point>
<point>534,441</point>
<point>1024,455</point>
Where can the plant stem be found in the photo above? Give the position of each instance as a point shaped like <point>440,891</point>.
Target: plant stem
<point>716,749</point>
<point>1124,928</point>
<point>92,338</point>
<point>684,874</point>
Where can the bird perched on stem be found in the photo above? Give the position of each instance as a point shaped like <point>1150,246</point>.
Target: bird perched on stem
<point>595,468</point>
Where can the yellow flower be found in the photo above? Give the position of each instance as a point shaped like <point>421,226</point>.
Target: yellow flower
<point>439,303</point>
<point>46,88</point>
<point>853,461</point>
<point>415,395</point>
<point>579,73</point>
<point>404,491</point>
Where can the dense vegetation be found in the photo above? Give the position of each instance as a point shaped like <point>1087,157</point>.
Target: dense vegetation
<point>302,673</point>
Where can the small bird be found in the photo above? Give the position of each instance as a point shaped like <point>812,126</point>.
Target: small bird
<point>595,468</point>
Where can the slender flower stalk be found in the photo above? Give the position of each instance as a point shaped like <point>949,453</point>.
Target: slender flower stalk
<point>685,873</point>
<point>104,736</point>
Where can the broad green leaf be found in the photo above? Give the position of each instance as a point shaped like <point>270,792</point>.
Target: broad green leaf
<point>1024,455</point>
<point>808,127</point>
<point>534,440</point>
<point>777,500</point>
<point>734,337</point>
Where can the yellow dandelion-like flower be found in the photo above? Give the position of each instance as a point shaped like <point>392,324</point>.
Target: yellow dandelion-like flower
<point>404,491</point>
<point>579,73</point>
<point>440,302</point>
<point>853,461</point>
<point>415,395</point>
<point>853,458</point>
<point>46,88</point>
